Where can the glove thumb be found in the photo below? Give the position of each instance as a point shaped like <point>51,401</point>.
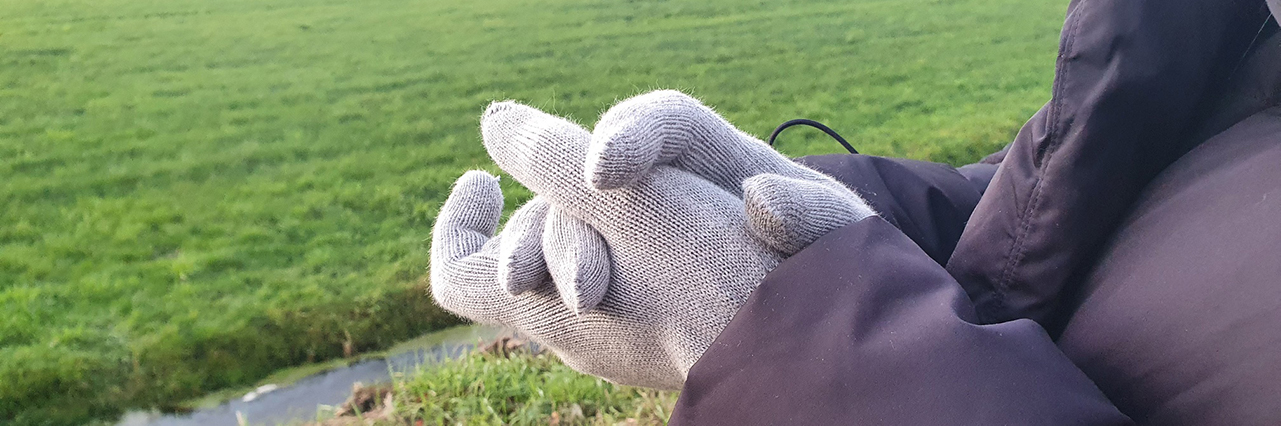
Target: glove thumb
<point>788,214</point>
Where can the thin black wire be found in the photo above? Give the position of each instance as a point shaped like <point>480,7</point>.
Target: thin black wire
<point>816,125</point>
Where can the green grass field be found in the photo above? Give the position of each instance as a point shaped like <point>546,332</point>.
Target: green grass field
<point>195,193</point>
<point>521,389</point>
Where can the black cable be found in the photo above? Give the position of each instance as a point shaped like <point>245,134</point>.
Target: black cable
<point>815,125</point>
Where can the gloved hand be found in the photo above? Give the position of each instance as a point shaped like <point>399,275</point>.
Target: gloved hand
<point>654,230</point>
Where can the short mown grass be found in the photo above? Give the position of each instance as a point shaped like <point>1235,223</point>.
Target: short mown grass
<point>196,193</point>
<point>520,389</point>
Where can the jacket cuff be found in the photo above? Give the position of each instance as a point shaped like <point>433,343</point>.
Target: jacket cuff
<point>863,327</point>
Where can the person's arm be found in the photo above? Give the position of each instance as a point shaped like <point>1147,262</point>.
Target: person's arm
<point>863,327</point>
<point>930,202</point>
<point>1131,88</point>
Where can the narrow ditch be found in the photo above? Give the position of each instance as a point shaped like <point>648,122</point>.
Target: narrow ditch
<point>305,399</point>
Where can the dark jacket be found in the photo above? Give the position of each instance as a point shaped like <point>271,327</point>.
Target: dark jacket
<point>1123,264</point>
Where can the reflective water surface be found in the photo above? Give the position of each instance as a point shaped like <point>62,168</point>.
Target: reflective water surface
<point>302,400</point>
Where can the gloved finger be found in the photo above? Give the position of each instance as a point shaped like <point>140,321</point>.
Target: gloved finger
<point>578,259</point>
<point>468,218</point>
<point>521,266</point>
<point>543,152</point>
<point>463,253</point>
<point>788,214</point>
<point>670,127</point>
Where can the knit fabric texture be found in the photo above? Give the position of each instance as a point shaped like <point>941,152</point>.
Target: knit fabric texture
<point>645,238</point>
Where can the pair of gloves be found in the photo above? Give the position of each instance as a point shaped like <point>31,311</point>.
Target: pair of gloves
<point>645,237</point>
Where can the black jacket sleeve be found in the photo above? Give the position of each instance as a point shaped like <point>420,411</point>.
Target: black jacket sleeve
<point>1134,82</point>
<point>930,202</point>
<point>863,327</point>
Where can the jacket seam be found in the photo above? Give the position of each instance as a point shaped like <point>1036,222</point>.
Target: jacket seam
<point>1017,250</point>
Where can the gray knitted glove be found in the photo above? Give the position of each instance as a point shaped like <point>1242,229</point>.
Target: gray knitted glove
<point>643,274</point>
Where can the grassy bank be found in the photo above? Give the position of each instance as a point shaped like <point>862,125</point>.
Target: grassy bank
<point>195,193</point>
<point>520,388</point>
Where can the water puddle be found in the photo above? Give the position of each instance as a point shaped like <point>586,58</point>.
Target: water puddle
<point>301,401</point>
